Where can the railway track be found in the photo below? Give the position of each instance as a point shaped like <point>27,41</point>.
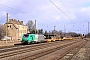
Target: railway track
<point>11,48</point>
<point>17,47</point>
<point>69,55</point>
<point>83,53</point>
<point>45,51</point>
<point>36,51</point>
<point>64,54</point>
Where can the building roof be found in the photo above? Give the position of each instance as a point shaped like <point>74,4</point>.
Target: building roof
<point>13,25</point>
<point>14,21</point>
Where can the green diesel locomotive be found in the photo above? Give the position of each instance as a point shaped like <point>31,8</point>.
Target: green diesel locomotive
<point>32,38</point>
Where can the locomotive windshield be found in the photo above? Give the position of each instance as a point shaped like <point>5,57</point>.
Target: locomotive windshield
<point>26,35</point>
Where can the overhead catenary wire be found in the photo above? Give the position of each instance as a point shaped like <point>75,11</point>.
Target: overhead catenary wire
<point>18,10</point>
<point>35,8</point>
<point>21,12</point>
<point>65,6</point>
<point>68,10</point>
<point>26,13</point>
<point>62,11</point>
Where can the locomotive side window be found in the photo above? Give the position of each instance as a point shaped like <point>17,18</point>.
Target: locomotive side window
<point>26,35</point>
<point>31,37</point>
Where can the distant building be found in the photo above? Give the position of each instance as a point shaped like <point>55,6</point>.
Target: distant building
<point>16,28</point>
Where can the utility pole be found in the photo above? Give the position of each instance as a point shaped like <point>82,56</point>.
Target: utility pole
<point>6,26</point>
<point>64,31</point>
<point>54,30</point>
<point>35,26</point>
<point>88,27</point>
<point>47,33</point>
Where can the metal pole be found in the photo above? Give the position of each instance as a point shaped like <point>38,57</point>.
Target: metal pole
<point>48,33</point>
<point>6,26</point>
<point>64,31</point>
<point>54,30</point>
<point>88,27</point>
<point>35,26</point>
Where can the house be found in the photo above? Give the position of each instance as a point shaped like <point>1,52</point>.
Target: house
<point>16,28</point>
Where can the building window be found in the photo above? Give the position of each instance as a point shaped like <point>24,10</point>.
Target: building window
<point>10,26</point>
<point>18,26</point>
<point>21,31</point>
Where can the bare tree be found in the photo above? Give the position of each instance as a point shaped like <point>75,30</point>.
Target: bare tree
<point>45,32</point>
<point>2,31</point>
<point>30,25</point>
<point>88,35</point>
<point>40,31</point>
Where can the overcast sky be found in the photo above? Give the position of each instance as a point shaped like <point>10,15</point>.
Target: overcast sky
<point>71,15</point>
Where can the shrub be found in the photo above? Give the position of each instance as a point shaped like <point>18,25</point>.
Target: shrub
<point>2,31</point>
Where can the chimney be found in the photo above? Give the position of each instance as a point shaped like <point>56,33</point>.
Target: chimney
<point>21,21</point>
<point>13,19</point>
<point>10,19</point>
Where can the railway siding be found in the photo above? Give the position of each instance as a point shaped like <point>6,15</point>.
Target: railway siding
<point>69,50</point>
<point>83,53</point>
<point>21,53</point>
<point>62,52</point>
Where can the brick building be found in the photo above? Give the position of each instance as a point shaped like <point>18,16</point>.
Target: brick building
<point>16,28</point>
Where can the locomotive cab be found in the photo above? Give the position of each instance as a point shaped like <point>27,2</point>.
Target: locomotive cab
<point>27,38</point>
